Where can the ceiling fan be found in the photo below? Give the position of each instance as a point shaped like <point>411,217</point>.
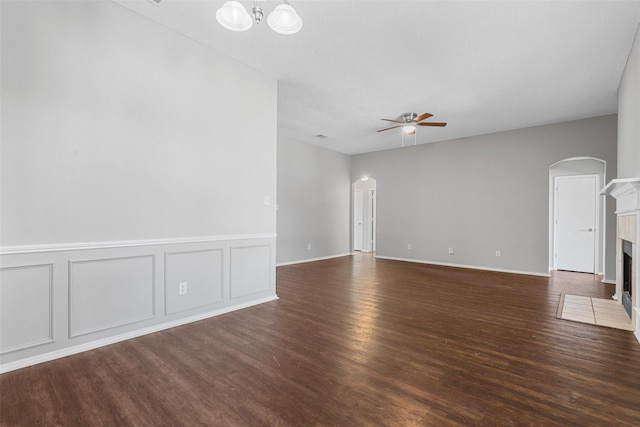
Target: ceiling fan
<point>408,122</point>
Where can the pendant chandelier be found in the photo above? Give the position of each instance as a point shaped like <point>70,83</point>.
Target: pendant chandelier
<point>283,19</point>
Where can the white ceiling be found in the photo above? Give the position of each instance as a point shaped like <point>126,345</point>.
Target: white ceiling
<point>481,66</point>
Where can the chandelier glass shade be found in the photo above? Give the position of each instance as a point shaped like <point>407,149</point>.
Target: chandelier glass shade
<point>283,19</point>
<point>233,16</point>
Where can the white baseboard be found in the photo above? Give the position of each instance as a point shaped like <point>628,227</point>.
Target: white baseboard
<point>23,363</point>
<point>472,267</point>
<point>313,259</point>
<point>609,282</point>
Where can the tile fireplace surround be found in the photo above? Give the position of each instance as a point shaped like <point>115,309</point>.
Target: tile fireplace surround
<point>627,195</point>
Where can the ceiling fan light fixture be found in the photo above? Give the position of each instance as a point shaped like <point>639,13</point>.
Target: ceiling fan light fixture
<point>408,129</point>
<point>233,16</point>
<point>284,20</point>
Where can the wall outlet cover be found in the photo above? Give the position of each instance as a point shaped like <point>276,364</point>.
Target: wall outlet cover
<point>182,288</point>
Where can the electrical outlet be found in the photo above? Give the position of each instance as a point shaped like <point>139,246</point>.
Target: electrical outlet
<point>498,253</point>
<point>182,288</point>
<point>451,251</point>
<point>409,246</point>
<point>309,246</point>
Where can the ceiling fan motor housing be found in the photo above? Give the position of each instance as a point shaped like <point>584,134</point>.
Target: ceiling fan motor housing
<point>409,117</point>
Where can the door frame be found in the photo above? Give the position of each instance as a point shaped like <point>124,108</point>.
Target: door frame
<point>359,246</point>
<point>373,221</point>
<point>598,233</point>
<point>581,165</point>
<point>368,186</point>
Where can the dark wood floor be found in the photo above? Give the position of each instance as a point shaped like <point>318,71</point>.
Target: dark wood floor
<point>356,341</point>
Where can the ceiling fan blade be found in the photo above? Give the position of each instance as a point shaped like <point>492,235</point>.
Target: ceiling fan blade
<point>440,124</point>
<point>411,132</point>
<point>392,127</point>
<point>422,117</point>
<point>391,120</point>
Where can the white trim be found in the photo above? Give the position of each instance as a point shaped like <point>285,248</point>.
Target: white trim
<point>301,261</point>
<point>608,282</point>
<point>23,363</point>
<point>58,247</point>
<point>572,159</point>
<point>472,267</point>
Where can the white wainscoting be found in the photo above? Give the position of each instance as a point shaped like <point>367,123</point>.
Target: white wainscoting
<point>202,273</point>
<point>73,298</point>
<point>107,293</point>
<point>29,286</point>
<point>247,277</point>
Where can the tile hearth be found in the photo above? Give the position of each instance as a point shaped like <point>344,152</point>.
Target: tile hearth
<point>595,311</point>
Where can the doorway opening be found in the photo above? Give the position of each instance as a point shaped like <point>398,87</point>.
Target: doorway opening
<point>364,215</point>
<point>577,215</point>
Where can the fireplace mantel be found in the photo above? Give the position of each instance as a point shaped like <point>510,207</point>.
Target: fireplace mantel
<point>626,191</point>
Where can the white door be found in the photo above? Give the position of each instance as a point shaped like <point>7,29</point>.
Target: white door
<point>575,220</point>
<point>358,205</point>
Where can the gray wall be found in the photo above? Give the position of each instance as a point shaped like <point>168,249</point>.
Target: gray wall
<point>313,202</point>
<point>629,115</point>
<point>123,176</point>
<point>479,194</point>
<point>116,128</point>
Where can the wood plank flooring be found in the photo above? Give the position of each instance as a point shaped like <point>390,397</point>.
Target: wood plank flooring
<point>356,341</point>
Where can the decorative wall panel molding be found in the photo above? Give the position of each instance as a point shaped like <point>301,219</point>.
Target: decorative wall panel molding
<point>26,307</point>
<point>105,293</point>
<point>89,296</point>
<point>199,272</point>
<point>250,270</point>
